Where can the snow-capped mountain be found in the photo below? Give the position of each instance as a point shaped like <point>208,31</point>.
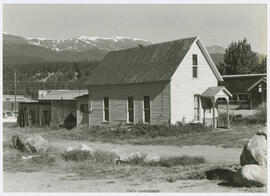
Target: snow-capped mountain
<point>85,42</point>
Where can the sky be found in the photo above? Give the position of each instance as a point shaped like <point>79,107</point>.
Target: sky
<point>214,24</point>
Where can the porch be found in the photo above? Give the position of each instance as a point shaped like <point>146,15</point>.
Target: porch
<point>210,100</point>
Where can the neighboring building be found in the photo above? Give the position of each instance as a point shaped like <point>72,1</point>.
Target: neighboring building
<point>83,110</point>
<point>54,108</point>
<point>158,84</point>
<point>248,90</point>
<point>9,105</point>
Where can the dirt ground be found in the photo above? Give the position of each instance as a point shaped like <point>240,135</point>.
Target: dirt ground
<point>149,180</point>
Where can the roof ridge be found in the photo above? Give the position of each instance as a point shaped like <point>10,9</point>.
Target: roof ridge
<point>154,44</point>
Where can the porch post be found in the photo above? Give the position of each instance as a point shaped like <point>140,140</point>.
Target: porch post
<point>228,117</point>
<point>214,113</point>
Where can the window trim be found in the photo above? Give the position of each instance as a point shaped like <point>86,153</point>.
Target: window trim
<point>128,122</point>
<point>106,121</point>
<point>195,66</point>
<point>143,109</point>
<point>238,98</point>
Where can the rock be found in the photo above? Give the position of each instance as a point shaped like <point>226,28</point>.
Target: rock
<point>36,144</point>
<point>251,175</point>
<point>151,158</point>
<point>33,144</point>
<point>18,143</point>
<point>123,156</point>
<point>263,132</point>
<point>78,153</point>
<point>255,151</point>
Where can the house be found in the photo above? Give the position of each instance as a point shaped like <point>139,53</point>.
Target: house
<point>248,90</point>
<point>158,84</point>
<point>54,108</point>
<point>10,108</point>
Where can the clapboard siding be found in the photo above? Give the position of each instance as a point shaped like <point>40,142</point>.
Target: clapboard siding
<point>118,95</point>
<point>184,86</point>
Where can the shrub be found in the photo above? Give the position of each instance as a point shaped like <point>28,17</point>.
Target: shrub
<point>259,117</point>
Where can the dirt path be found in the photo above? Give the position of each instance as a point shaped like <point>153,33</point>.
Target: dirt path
<point>210,153</point>
<point>51,182</point>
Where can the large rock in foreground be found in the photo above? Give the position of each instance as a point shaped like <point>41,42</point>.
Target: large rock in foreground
<point>251,175</point>
<point>255,151</point>
<point>33,144</point>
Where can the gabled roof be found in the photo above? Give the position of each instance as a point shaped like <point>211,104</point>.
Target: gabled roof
<point>263,79</point>
<point>61,94</point>
<point>214,90</point>
<point>152,63</point>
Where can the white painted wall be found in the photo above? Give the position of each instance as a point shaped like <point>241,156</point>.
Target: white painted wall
<point>184,86</point>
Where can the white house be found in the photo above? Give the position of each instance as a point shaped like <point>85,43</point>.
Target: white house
<point>159,83</point>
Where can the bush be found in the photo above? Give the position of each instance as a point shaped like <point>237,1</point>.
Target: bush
<point>259,117</point>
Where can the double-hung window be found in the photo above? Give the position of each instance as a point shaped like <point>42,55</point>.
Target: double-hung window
<point>106,109</point>
<point>130,112</point>
<point>195,66</point>
<point>146,109</point>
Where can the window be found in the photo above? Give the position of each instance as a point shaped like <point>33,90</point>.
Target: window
<point>195,66</point>
<point>243,97</point>
<point>106,109</point>
<point>194,59</point>
<point>84,108</point>
<point>146,108</point>
<point>196,107</point>
<point>130,117</point>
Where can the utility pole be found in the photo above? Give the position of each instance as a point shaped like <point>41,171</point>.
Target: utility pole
<point>15,94</point>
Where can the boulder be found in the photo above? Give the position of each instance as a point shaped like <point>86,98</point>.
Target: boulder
<point>255,151</point>
<point>18,143</point>
<point>251,175</point>
<point>33,144</point>
<point>151,158</point>
<point>263,132</point>
<point>36,144</point>
<point>78,153</point>
<point>123,156</point>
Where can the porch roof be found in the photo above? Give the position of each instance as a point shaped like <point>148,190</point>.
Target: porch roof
<point>213,91</point>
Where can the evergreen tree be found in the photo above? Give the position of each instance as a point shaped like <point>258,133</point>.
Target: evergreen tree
<point>239,58</point>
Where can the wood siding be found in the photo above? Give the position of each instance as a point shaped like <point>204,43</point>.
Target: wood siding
<point>82,118</point>
<point>184,86</point>
<point>60,111</point>
<point>118,96</point>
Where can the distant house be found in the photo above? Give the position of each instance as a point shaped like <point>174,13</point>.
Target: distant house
<point>9,105</point>
<point>158,84</point>
<point>54,108</point>
<point>248,90</point>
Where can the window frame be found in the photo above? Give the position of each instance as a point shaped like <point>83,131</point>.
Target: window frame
<point>243,94</point>
<point>106,110</point>
<point>195,73</point>
<point>144,109</point>
<point>128,110</point>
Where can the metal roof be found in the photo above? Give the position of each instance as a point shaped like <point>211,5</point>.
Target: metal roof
<point>152,63</point>
<point>61,94</point>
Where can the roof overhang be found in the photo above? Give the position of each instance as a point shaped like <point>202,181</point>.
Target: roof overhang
<point>263,79</point>
<point>209,59</point>
<point>215,92</point>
